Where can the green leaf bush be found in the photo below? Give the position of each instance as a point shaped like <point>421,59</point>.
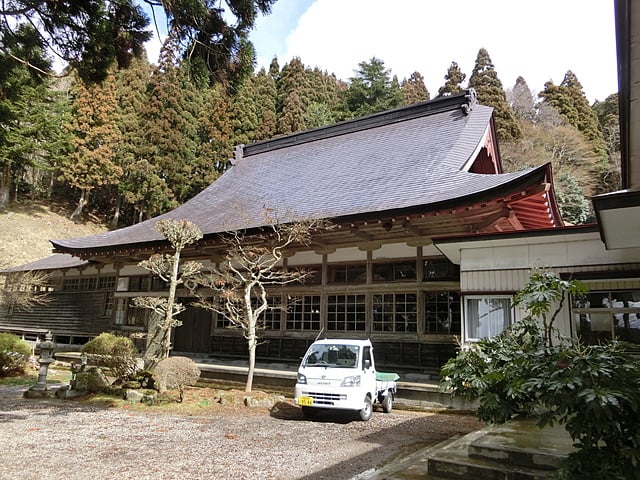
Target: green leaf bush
<point>14,355</point>
<point>114,352</point>
<point>594,391</point>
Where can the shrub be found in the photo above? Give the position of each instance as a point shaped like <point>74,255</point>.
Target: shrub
<point>594,391</point>
<point>14,354</point>
<point>176,372</point>
<point>116,353</point>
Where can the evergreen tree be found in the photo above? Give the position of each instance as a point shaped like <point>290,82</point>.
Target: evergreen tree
<point>609,121</point>
<point>171,131</point>
<point>216,133</point>
<point>488,86</point>
<point>574,207</point>
<point>453,81</point>
<point>569,100</point>
<point>522,101</point>
<point>414,90</point>
<point>293,97</point>
<point>95,140</point>
<point>372,90</point>
<point>131,90</point>
<point>267,97</point>
<point>22,90</point>
<point>245,113</point>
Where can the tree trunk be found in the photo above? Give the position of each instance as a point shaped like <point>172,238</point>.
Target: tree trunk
<point>116,213</point>
<point>252,360</point>
<point>81,203</point>
<point>5,186</point>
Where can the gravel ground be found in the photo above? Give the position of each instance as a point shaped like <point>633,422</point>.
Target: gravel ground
<point>58,439</point>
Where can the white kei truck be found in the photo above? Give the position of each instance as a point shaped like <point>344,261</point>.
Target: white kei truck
<point>340,374</point>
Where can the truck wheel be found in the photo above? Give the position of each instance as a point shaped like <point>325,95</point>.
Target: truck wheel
<point>309,412</point>
<point>365,412</point>
<point>387,403</point>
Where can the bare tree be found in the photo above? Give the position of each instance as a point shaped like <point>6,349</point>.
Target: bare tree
<point>164,310</point>
<point>24,289</point>
<point>251,264</point>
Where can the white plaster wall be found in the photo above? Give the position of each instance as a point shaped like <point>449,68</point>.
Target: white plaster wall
<point>395,250</point>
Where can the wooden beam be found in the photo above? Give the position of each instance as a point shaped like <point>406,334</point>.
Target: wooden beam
<point>360,234</point>
<point>411,229</point>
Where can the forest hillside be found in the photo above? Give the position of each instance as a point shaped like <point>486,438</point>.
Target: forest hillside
<point>27,227</point>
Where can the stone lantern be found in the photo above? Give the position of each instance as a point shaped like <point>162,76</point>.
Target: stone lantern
<point>46,358</point>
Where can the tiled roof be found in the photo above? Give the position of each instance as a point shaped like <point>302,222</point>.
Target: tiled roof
<point>53,262</point>
<point>404,158</point>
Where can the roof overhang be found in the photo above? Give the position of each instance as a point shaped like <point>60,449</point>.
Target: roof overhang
<point>618,212</point>
<point>452,247</point>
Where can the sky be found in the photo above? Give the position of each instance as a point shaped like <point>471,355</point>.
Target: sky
<point>536,39</point>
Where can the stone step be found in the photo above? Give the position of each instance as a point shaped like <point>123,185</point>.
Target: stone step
<point>523,443</point>
<point>454,463</point>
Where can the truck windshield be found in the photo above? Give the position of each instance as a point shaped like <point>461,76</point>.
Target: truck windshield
<point>332,355</point>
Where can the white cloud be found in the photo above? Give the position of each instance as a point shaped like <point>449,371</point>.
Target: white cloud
<point>539,40</point>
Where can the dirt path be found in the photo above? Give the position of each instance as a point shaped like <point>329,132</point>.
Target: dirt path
<point>56,439</point>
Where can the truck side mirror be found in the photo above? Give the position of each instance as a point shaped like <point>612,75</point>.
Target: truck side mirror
<point>367,364</point>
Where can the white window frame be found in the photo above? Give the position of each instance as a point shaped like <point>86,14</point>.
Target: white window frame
<point>468,311</point>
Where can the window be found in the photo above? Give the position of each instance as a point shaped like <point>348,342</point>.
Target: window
<point>88,283</point>
<point>314,276</point>
<point>127,314</point>
<point>71,284</point>
<point>440,269</point>
<point>395,312</point>
<point>394,272</point>
<point>139,284</point>
<point>347,273</point>
<point>158,284</point>
<point>107,283</point>
<point>273,314</point>
<point>487,316</point>
<point>303,313</point>
<point>604,315</point>
<point>346,313</point>
<point>108,304</point>
<point>442,312</point>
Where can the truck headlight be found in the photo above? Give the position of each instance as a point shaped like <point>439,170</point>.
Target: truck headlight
<point>353,381</point>
<point>302,378</point>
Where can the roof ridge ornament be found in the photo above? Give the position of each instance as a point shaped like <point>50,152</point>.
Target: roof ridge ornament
<point>472,101</point>
<point>238,154</point>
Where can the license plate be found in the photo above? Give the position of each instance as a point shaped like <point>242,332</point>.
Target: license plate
<point>305,401</point>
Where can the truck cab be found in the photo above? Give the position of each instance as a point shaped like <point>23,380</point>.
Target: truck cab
<point>340,374</point>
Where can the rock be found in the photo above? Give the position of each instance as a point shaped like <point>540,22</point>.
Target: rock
<point>133,396</point>
<point>262,401</point>
<point>92,380</point>
<point>230,398</point>
<point>136,396</point>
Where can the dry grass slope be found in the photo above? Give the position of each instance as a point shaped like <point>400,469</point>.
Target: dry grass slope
<point>26,228</point>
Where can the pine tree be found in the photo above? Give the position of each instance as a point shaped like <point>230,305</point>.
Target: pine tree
<point>95,140</point>
<point>488,86</point>
<point>453,81</point>
<point>414,90</point>
<point>372,90</point>
<point>569,100</point>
